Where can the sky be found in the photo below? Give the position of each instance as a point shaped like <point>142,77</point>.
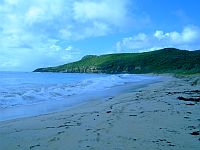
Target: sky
<point>42,33</point>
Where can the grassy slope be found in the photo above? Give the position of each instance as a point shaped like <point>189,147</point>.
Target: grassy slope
<point>161,61</point>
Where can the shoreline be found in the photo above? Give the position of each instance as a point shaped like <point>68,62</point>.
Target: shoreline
<point>148,118</point>
<point>48,107</point>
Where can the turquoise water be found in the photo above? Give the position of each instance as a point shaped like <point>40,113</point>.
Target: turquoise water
<point>27,94</point>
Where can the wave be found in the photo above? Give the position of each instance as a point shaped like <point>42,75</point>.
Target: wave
<point>26,94</point>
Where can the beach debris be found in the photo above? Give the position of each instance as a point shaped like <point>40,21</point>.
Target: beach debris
<point>133,115</point>
<point>54,139</point>
<point>195,133</point>
<point>186,117</point>
<point>189,99</point>
<point>61,132</point>
<point>190,104</point>
<point>184,92</point>
<point>33,146</point>
<point>110,98</point>
<point>108,112</point>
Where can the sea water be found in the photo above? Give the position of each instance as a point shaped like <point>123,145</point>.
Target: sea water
<point>31,94</point>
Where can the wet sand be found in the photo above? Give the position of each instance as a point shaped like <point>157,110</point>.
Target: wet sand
<point>150,118</point>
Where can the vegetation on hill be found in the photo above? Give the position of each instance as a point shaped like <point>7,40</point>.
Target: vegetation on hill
<point>168,60</point>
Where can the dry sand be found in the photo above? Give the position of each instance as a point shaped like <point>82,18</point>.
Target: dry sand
<point>150,118</point>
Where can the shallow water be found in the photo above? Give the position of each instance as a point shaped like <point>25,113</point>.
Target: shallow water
<point>30,94</point>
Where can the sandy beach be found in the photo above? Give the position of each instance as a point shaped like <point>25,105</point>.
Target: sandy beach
<point>150,118</point>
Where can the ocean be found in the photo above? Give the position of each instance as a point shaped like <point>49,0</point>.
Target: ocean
<point>30,94</point>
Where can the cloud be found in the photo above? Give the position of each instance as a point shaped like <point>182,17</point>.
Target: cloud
<point>32,32</point>
<point>66,19</point>
<point>101,10</point>
<point>188,38</point>
<point>34,14</point>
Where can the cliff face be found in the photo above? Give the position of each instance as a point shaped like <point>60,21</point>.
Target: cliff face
<point>160,61</point>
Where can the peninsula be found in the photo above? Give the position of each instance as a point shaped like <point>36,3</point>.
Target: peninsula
<point>167,60</point>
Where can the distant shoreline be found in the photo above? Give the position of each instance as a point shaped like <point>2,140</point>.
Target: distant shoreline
<point>167,60</point>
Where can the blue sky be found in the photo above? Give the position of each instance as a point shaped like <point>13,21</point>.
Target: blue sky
<point>40,33</point>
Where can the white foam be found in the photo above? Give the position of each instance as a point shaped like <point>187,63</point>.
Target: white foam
<point>29,99</point>
<point>25,94</point>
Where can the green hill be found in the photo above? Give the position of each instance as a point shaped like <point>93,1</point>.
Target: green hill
<point>168,60</point>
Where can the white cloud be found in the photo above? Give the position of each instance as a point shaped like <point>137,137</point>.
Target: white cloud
<point>191,34</point>
<point>114,12</point>
<point>69,48</point>
<point>34,14</point>
<point>96,29</point>
<point>32,31</point>
<point>135,42</point>
<point>188,38</point>
<point>188,35</point>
